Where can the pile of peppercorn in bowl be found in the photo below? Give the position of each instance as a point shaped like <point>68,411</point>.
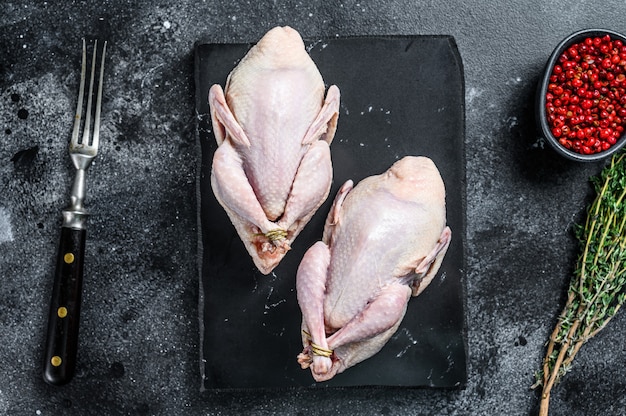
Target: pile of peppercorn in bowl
<point>581,98</point>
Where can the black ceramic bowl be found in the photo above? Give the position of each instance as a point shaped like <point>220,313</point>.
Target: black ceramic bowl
<point>542,89</point>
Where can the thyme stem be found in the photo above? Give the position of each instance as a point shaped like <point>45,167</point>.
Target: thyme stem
<point>596,291</point>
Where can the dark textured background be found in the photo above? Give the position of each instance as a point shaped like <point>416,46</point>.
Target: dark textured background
<point>139,352</point>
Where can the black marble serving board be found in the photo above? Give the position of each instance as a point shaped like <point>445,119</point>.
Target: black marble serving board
<point>399,96</point>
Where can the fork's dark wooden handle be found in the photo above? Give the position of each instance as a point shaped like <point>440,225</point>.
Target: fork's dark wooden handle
<point>62,339</point>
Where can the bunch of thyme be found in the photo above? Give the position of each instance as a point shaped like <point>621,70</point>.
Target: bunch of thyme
<point>596,291</point>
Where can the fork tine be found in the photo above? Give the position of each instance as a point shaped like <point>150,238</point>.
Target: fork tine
<point>87,126</point>
<point>81,92</point>
<point>96,123</point>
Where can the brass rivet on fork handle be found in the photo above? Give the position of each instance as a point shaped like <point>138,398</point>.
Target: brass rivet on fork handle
<point>64,316</point>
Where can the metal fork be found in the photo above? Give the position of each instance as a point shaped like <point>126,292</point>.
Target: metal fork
<point>64,316</point>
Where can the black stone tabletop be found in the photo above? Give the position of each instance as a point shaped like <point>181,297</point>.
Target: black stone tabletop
<point>139,342</point>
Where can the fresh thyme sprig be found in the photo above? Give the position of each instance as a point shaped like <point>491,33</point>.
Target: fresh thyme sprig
<point>596,291</point>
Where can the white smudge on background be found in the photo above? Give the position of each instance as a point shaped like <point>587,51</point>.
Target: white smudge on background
<point>6,234</point>
<point>471,94</point>
<point>514,81</point>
